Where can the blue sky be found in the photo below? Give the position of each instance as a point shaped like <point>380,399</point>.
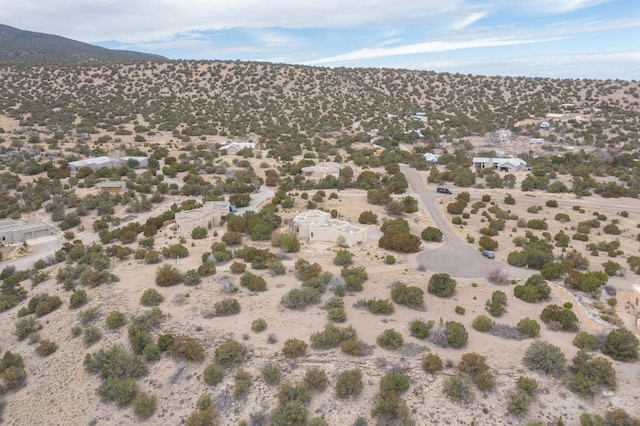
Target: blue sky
<point>536,38</point>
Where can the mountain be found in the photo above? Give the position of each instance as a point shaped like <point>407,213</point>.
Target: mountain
<point>26,46</point>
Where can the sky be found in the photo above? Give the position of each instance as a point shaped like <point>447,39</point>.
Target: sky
<point>595,39</point>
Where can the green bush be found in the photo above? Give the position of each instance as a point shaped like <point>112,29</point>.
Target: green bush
<point>431,234</point>
<point>331,336</point>
<point>315,379</point>
<point>121,391</point>
<point>294,348</point>
<point>271,373</point>
<point>13,377</point>
<point>584,340</point>
<point>226,307</point>
<point>300,298</point>
<point>535,289</point>
<point>354,277</point>
<point>349,383</point>
<point>456,334</point>
<point>259,325</point>
<point>482,323</point>
<point>43,304</point>
<point>441,285</point>
<point>343,258</point>
<point>115,319</point>
<point>151,297</point>
<point>242,384</point>
<point>167,276</point>
<point>78,298</point>
<point>175,251</point>
<point>144,405</point>
<point>529,327</point>
<point>380,306</point>
<point>229,353</point>
<point>206,269</point>
<point>564,317</point>
<point>25,326</point>
<point>496,305</point>
<point>411,296</point>
<point>431,363</point>
<point>621,345</point>
<point>544,357</point>
<point>253,282</point>
<point>46,348</point>
<point>199,233</point>
<point>186,348</point>
<point>213,374</point>
<point>457,388</point>
<point>420,328</point>
<point>590,374</point>
<point>390,339</point>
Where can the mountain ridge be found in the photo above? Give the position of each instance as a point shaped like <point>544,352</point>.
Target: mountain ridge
<point>23,46</point>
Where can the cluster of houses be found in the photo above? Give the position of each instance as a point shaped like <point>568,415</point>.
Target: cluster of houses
<point>95,163</point>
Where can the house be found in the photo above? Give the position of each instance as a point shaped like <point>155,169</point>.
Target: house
<point>95,163</point>
<point>536,141</point>
<point>213,213</point>
<point>316,225</point>
<point>632,300</point>
<point>14,231</point>
<point>322,170</point>
<point>233,147</point>
<point>429,156</point>
<point>545,125</point>
<point>508,165</point>
<point>112,186</point>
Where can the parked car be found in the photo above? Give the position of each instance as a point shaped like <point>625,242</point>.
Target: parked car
<point>443,190</point>
<point>488,254</point>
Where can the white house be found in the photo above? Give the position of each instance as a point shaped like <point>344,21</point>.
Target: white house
<point>536,141</point>
<point>508,165</point>
<point>545,125</point>
<point>429,156</point>
<point>234,147</point>
<point>317,225</point>
<point>212,214</point>
<point>95,163</point>
<point>322,170</point>
<point>13,231</point>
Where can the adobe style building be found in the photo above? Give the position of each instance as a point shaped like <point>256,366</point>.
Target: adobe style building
<point>15,231</point>
<point>212,214</point>
<point>632,298</point>
<point>322,170</point>
<point>95,163</point>
<point>112,186</point>
<point>233,147</point>
<point>316,225</point>
<point>507,165</point>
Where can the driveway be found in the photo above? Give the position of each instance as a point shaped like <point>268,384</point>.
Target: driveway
<point>44,247</point>
<point>454,256</point>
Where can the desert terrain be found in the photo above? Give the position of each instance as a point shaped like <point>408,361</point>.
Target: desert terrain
<point>59,388</point>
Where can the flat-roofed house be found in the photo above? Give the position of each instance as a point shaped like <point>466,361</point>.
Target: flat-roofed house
<point>112,186</point>
<point>212,214</point>
<point>508,165</point>
<point>95,163</point>
<point>15,231</point>
<point>632,300</point>
<point>322,170</point>
<point>316,225</point>
<point>234,147</point>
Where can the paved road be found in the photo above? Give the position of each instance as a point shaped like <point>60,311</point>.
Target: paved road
<point>454,256</point>
<point>44,247</point>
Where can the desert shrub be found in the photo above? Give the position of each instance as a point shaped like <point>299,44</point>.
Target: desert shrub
<point>518,402</point>
<point>139,338</point>
<point>380,306</point>
<point>562,217</point>
<point>388,404</point>
<point>226,307</point>
<point>390,339</point>
<point>151,352</point>
<point>151,297</point>
<point>496,305</point>
<point>619,417</point>
<point>306,270</point>
<point>420,328</point>
<point>482,323</point>
<point>590,374</point>
<point>390,259</point>
<point>535,289</point>
<point>253,282</point>
<point>621,345</point>
<point>238,267</point>
<point>411,296</point>
<point>368,218</point>
<point>25,326</point>
<point>165,341</point>
<point>199,233</point>
<point>167,276</point>
<point>115,319</point>
<point>509,200</point>
<point>460,310</point>
<point>191,277</point>
<point>611,229</point>
<point>144,405</point>
<point>584,340</point>
<point>300,298</point>
<point>78,298</point>
<point>120,391</point>
<point>402,242</point>
<point>46,348</point>
<point>349,383</point>
<point>544,357</point>
<point>431,363</point>
<point>259,325</point>
<point>115,362</point>
<point>186,348</point>
<point>456,334</point>
<point>213,374</point>
<point>331,336</point>
<point>566,319</point>
<point>293,413</point>
<point>294,348</point>
<point>241,384</point>
<point>271,373</point>
<point>43,304</point>
<point>475,365</point>
<point>89,315</point>
<point>354,277</point>
<point>206,269</point>
<point>488,243</point>
<point>551,203</point>
<point>457,388</point>
<point>175,251</point>
<point>431,234</point>
<point>529,327</point>
<point>441,285</point>
<point>205,415</point>
<point>343,258</point>
<point>230,352</point>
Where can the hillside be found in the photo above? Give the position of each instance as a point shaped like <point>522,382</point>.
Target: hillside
<point>19,46</point>
<point>146,306</point>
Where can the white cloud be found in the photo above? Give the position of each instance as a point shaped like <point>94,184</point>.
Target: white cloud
<point>557,6</point>
<point>463,23</point>
<point>417,48</point>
